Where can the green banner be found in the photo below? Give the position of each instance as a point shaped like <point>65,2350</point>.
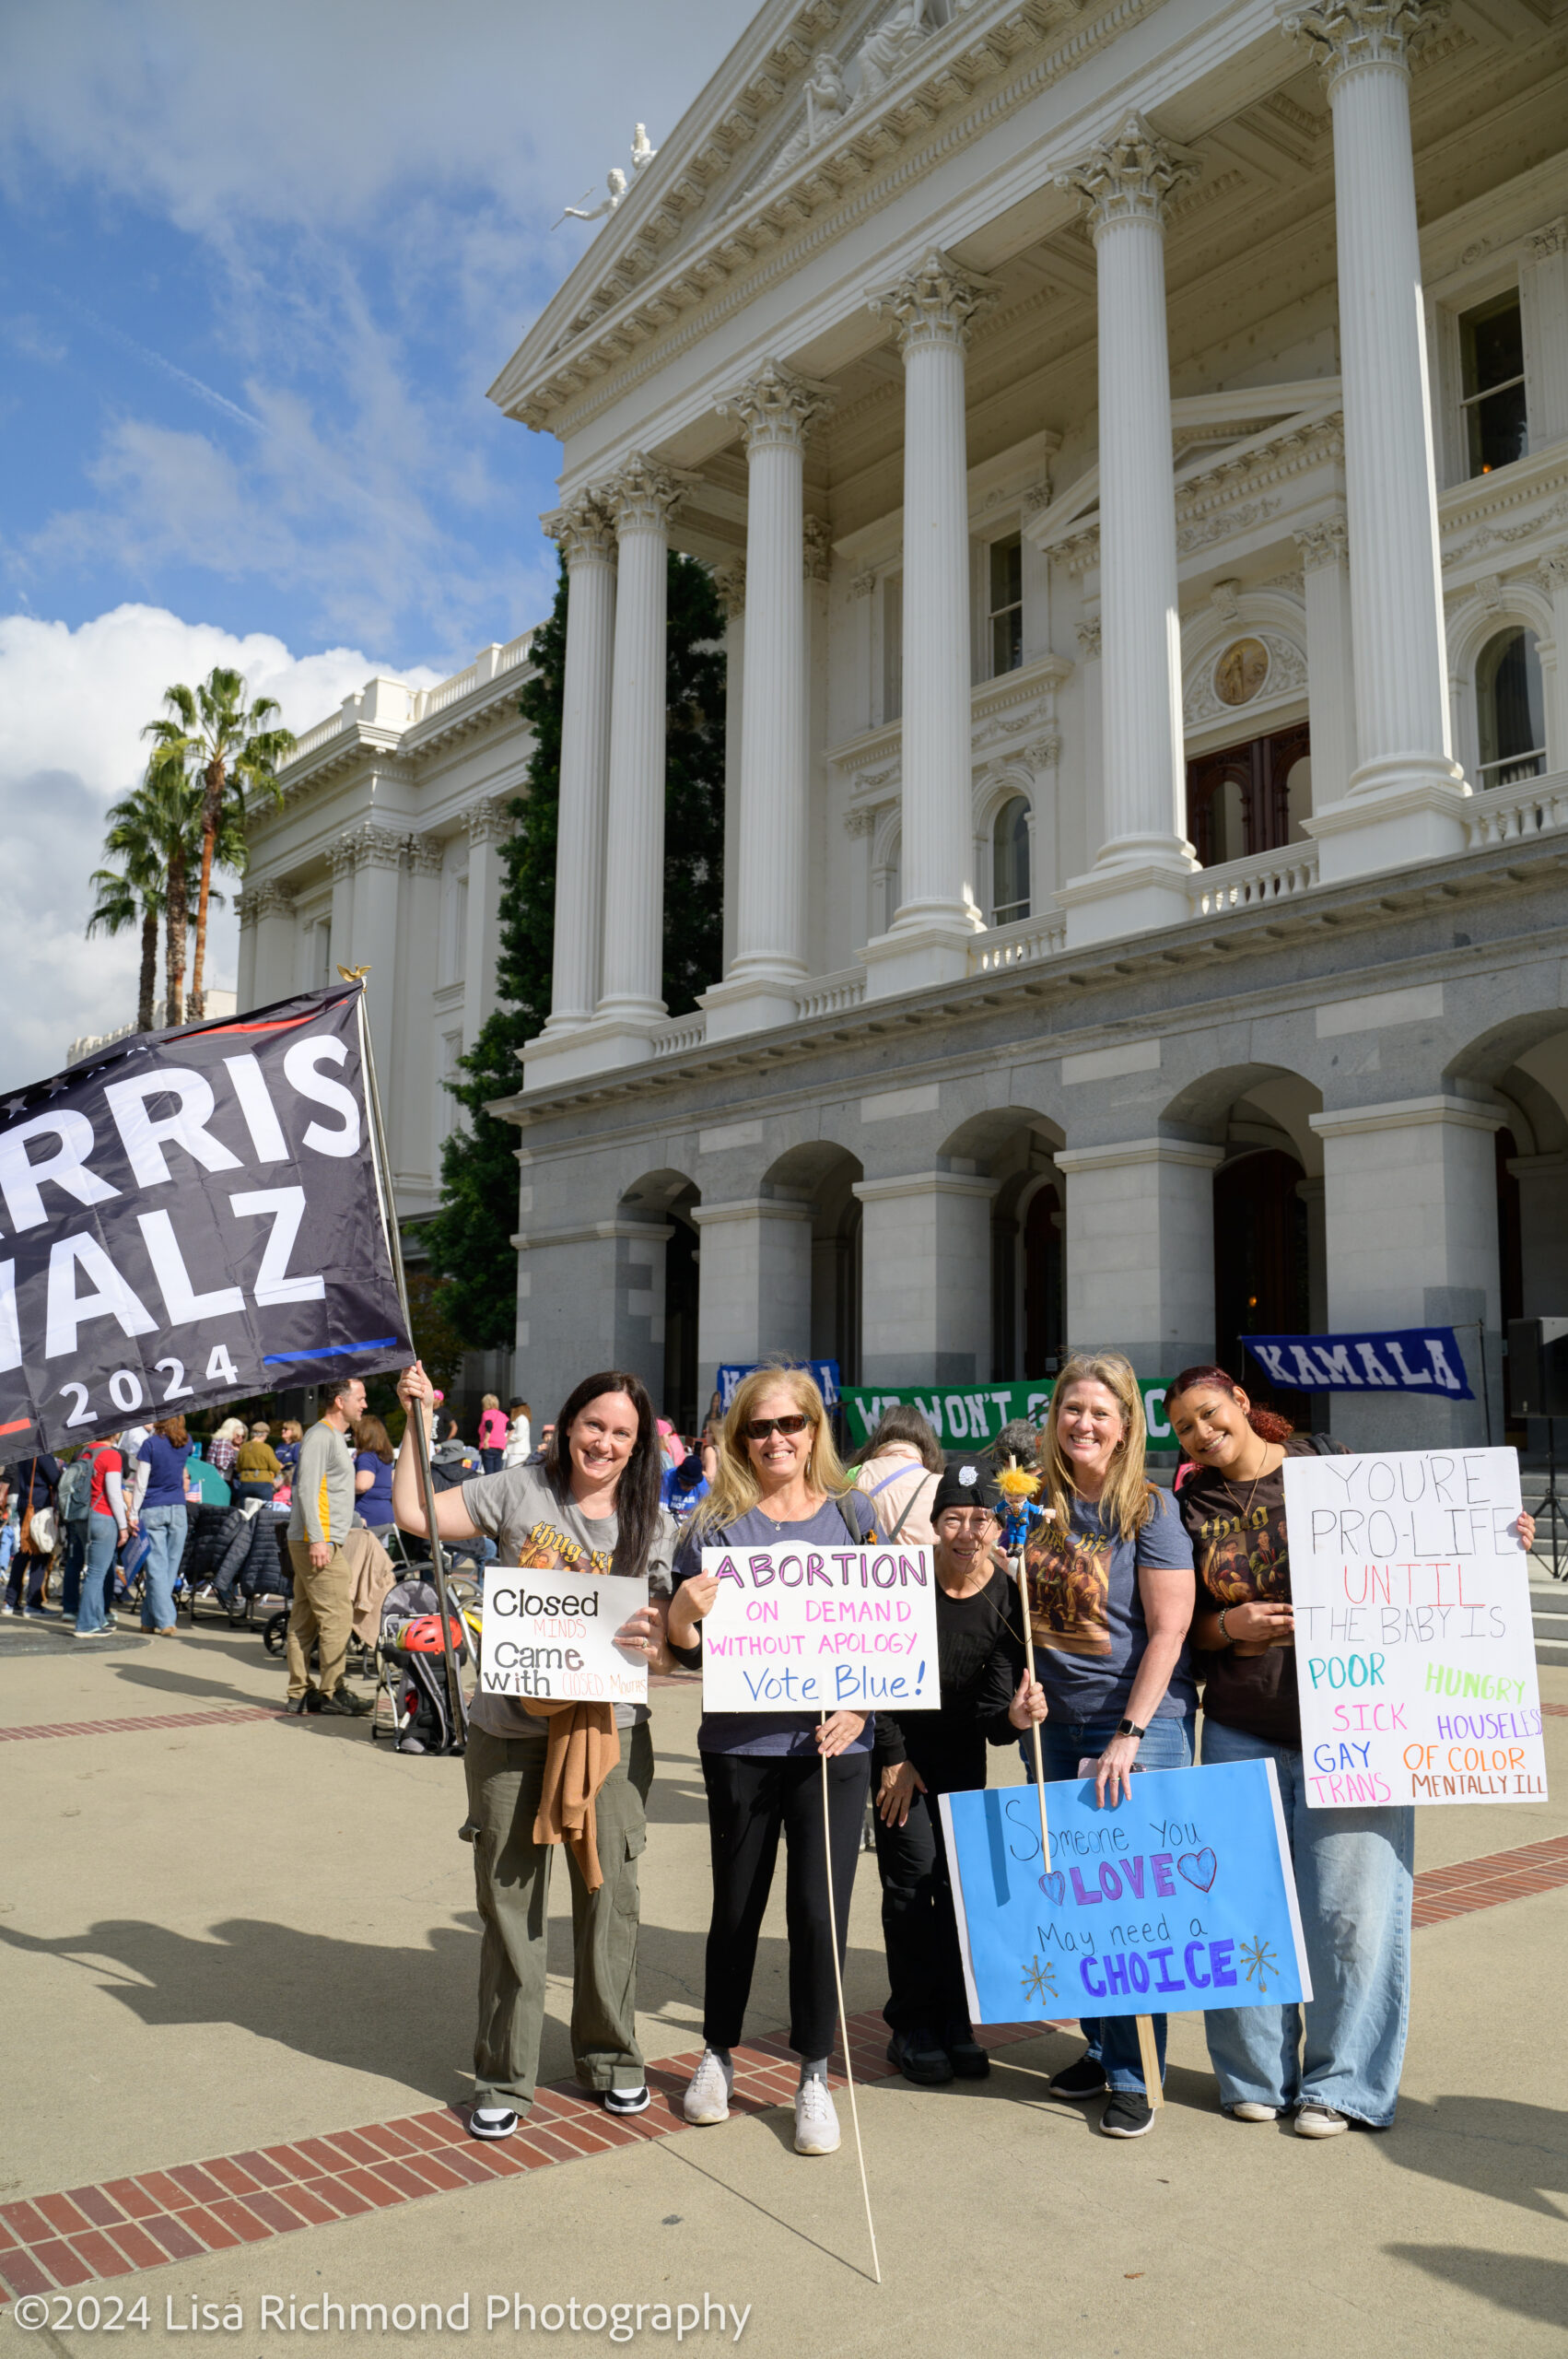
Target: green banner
<point>977,1413</point>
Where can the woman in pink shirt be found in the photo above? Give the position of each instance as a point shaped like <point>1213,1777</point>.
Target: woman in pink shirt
<point>493,1431</point>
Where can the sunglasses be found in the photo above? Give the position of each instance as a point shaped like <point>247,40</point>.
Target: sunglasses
<point>759,1429</point>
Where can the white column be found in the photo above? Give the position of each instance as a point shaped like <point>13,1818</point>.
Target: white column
<point>631,1002</point>
<point>1543,290</point>
<point>342,860</point>
<point>1330,659</point>
<point>245,974</point>
<point>777,409</point>
<point>489,824</point>
<point>730,580</point>
<point>931,936</point>
<point>1404,798</point>
<point>586,538</point>
<point>926,1278</point>
<point>1411,1236</point>
<point>1139,877</point>
<point>381,855</point>
<point>1553,574</point>
<point>410,1110</point>
<point>1140,1250</point>
<point>756,1298</point>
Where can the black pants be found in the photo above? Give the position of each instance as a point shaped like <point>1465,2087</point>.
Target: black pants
<point>925,1971</point>
<point>751,1799</point>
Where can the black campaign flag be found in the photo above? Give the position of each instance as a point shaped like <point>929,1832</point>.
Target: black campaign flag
<point>191,1217</point>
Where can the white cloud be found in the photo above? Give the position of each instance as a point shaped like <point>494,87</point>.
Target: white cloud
<point>73,704</point>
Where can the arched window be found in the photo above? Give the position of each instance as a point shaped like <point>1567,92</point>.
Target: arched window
<point>1511,707</point>
<point>1010,861</point>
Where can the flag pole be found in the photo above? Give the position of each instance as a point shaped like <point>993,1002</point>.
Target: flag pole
<point>456,1705</point>
<point>843,2017</point>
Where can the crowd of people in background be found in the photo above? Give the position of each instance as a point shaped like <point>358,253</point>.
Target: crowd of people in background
<point>1143,1603</point>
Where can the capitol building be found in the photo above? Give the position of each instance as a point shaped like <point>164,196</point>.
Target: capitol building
<point>1132,442</point>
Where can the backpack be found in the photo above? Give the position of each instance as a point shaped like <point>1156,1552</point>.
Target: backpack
<point>76,1491</point>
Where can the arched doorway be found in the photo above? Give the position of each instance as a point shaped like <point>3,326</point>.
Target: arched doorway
<point>680,1285</point>
<point>1044,1291</point>
<point>1260,1264</point>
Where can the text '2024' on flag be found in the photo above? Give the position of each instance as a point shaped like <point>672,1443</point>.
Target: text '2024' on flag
<point>192,1217</point>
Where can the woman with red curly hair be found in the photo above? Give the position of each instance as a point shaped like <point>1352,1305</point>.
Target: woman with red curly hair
<point>1334,2063</point>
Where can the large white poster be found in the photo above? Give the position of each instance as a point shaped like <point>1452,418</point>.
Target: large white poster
<point>821,1630</point>
<point>1415,1656</point>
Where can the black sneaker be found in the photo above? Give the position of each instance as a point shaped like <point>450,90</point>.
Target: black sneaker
<point>303,1706</point>
<point>342,1704</point>
<point>920,2057</point>
<point>627,2100</point>
<point>1128,2115</point>
<point>1085,2079</point>
<point>967,2058</point>
<point>492,2121</point>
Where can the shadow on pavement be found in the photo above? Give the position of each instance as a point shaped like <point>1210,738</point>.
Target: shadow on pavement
<point>1495,2146</point>
<point>1510,2281</point>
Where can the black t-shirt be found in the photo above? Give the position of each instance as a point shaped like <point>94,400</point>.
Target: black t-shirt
<point>980,1661</point>
<point>1241,1555</point>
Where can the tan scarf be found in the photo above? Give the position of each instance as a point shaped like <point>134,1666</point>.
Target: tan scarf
<point>582,1746</point>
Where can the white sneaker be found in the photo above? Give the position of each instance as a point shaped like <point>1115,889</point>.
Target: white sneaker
<point>816,2124</point>
<point>708,2092</point>
<point>1248,2111</point>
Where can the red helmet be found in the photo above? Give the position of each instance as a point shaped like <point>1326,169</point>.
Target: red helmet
<point>423,1634</point>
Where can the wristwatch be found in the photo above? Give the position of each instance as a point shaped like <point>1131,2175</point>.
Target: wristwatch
<point>1131,1728</point>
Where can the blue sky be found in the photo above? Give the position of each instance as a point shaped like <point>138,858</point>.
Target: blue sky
<point>257,268</point>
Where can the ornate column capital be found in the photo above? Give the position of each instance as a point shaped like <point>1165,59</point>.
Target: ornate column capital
<point>935,303</point>
<point>1131,176</point>
<point>584,530</point>
<point>269,898</point>
<point>1551,239</point>
<point>776,407</point>
<point>1323,544</point>
<point>642,495</point>
<point>863,584</point>
<point>860,823</point>
<point>730,580</point>
<point>490,821</point>
<point>1345,35</point>
<point>1088,635</point>
<point>377,847</point>
<point>343,857</point>
<point>817,546</point>
<point>427,855</point>
<point>1553,571</point>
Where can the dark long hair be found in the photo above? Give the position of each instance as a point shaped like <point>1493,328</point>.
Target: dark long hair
<point>637,1493</point>
<point>1267,1424</point>
<point>907,1423</point>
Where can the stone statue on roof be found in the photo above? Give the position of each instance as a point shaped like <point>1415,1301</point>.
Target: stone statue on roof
<point>615,181</point>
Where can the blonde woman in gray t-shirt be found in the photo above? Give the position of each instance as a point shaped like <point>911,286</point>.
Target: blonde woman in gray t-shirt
<point>593,1506</point>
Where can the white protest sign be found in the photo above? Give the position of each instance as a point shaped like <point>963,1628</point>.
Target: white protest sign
<point>1415,1656</point>
<point>550,1632</point>
<point>821,1629</point>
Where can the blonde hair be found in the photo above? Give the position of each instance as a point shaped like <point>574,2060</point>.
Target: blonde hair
<point>231,1429</point>
<point>735,1490</point>
<point>490,1401</point>
<point>1129,1498</point>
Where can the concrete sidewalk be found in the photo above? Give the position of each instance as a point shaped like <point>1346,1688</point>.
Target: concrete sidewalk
<point>222,1930</point>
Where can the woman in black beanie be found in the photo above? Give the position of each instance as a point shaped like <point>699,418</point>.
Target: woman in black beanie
<point>980,1659</point>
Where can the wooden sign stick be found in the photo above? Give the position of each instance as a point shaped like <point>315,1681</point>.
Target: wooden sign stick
<point>1149,2057</point>
<point>1019,1576</point>
<point>843,2018</point>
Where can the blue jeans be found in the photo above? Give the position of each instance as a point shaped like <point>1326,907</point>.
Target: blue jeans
<point>1355,1883</point>
<point>92,1610</point>
<point>76,1531</point>
<point>1113,2039</point>
<point>165,1528</point>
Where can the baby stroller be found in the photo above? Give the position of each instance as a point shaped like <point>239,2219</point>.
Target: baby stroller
<point>412,1704</point>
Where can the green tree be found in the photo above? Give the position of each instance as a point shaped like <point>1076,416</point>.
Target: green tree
<point>229,749</point>
<point>154,835</point>
<point>469,1239</point>
<point>132,893</point>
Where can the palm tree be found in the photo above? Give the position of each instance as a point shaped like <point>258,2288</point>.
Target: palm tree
<point>128,896</point>
<point>229,749</point>
<point>155,836</point>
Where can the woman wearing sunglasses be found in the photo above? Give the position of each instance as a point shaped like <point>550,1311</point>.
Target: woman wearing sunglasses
<point>778,1478</point>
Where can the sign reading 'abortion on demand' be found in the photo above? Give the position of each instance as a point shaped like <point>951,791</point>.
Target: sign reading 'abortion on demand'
<point>1415,1651</point>
<point>821,1630</point>
<point>192,1216</point>
<point>1391,1359</point>
<point>1180,1897</point>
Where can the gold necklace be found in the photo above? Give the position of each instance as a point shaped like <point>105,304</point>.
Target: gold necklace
<point>1264,1468</point>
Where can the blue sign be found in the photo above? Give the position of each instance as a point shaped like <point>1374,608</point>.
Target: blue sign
<point>824,1374</point>
<point>1393,1359</point>
<point>1181,1898</point>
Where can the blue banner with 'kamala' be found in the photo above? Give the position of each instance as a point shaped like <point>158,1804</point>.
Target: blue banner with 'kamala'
<point>1391,1359</point>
